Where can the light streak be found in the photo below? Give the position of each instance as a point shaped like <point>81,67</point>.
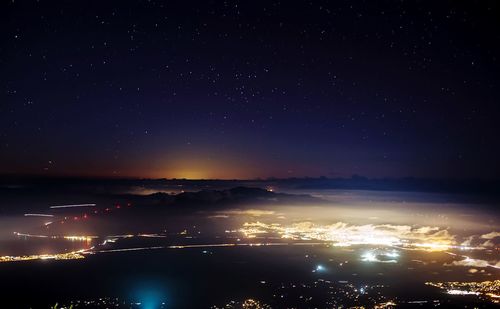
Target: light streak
<point>152,235</point>
<point>121,236</point>
<point>30,235</point>
<point>131,249</point>
<point>73,206</point>
<point>38,215</point>
<point>204,246</point>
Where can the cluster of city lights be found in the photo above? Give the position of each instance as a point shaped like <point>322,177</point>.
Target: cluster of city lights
<point>343,234</point>
<point>80,238</point>
<point>489,289</point>
<point>320,293</point>
<point>380,256</point>
<point>84,238</point>
<point>59,256</point>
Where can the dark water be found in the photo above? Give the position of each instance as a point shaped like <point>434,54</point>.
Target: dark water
<point>192,278</point>
<point>188,277</point>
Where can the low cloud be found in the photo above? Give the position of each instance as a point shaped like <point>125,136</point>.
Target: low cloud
<point>478,263</point>
<point>490,235</point>
<point>248,212</point>
<point>344,234</point>
<point>487,240</point>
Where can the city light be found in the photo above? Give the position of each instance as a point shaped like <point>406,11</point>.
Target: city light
<point>369,257</point>
<point>341,234</point>
<point>80,238</point>
<point>490,289</point>
<point>60,256</point>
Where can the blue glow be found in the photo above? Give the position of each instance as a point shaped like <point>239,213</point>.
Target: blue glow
<point>150,295</point>
<point>150,300</point>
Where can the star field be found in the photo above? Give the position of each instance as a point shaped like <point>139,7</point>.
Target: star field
<point>237,89</point>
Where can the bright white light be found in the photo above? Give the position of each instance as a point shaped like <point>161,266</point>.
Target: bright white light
<point>369,257</point>
<point>461,292</point>
<point>392,254</point>
<point>378,256</point>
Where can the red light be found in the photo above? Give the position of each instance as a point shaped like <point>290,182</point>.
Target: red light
<point>118,206</point>
<point>75,218</point>
<point>107,209</point>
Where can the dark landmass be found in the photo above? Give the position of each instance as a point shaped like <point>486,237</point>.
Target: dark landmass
<point>219,198</point>
<point>134,213</point>
<point>159,201</point>
<point>99,185</point>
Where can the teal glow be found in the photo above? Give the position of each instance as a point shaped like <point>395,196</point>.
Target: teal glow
<point>150,296</point>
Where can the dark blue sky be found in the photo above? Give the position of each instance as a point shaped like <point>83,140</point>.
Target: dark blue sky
<point>244,89</point>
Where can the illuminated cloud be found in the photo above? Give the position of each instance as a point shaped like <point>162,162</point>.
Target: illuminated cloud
<point>420,262</point>
<point>489,243</point>
<point>492,240</point>
<point>490,235</point>
<point>470,262</point>
<point>219,217</point>
<point>343,234</point>
<point>380,256</point>
<point>248,212</point>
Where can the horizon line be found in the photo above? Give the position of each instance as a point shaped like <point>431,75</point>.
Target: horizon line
<point>270,178</point>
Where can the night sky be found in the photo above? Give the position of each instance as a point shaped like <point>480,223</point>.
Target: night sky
<point>245,89</point>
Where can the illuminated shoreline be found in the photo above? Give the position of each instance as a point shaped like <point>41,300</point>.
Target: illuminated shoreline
<point>74,255</point>
<point>489,289</point>
<point>397,237</point>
